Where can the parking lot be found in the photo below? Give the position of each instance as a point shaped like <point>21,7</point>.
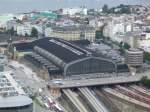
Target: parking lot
<point>33,85</point>
<point>106,51</point>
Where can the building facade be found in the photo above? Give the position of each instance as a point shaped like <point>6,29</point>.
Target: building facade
<point>24,30</point>
<point>72,32</point>
<point>65,58</point>
<point>134,57</point>
<point>73,11</point>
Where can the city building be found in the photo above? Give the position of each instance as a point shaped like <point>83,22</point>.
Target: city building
<point>71,32</point>
<point>44,14</point>
<point>24,30</point>
<point>4,18</point>
<point>132,38</point>
<point>40,28</point>
<point>73,11</point>
<point>96,23</point>
<point>134,57</point>
<point>145,45</point>
<point>65,58</point>
<point>11,24</point>
<point>117,27</point>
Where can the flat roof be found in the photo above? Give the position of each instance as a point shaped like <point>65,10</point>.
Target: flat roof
<point>14,101</point>
<point>133,50</point>
<point>73,28</point>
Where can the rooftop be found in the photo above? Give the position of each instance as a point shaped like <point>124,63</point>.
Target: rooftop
<point>14,101</point>
<point>73,28</point>
<point>10,94</point>
<point>134,50</point>
<point>62,49</point>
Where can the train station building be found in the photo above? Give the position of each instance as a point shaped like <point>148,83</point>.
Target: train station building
<point>67,58</point>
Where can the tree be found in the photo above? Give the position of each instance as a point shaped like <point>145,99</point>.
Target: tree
<point>121,5</point>
<point>125,10</point>
<point>146,56</point>
<point>34,32</point>
<point>26,35</point>
<point>121,9</point>
<point>145,81</point>
<point>146,9</point>
<point>126,46</point>
<point>112,10</point>
<point>99,34</point>
<point>105,8</point>
<point>137,10</point>
<point>120,44</point>
<point>11,31</point>
<point>123,47</point>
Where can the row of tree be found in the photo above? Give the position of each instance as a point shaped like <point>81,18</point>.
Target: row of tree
<point>121,9</point>
<point>34,32</point>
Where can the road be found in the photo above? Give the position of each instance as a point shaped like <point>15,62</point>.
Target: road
<point>69,83</point>
<point>38,108</point>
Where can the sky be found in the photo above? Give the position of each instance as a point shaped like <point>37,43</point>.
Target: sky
<point>13,6</point>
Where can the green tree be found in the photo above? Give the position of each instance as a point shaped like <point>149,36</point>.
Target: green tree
<point>124,9</point>
<point>112,10</point>
<point>126,46</point>
<point>146,10</point>
<point>34,32</point>
<point>11,31</point>
<point>121,9</point>
<point>26,35</point>
<point>123,47</point>
<point>99,34</point>
<point>146,56</point>
<point>122,5</point>
<point>121,44</point>
<point>145,82</point>
<point>105,8</point>
<point>137,9</point>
